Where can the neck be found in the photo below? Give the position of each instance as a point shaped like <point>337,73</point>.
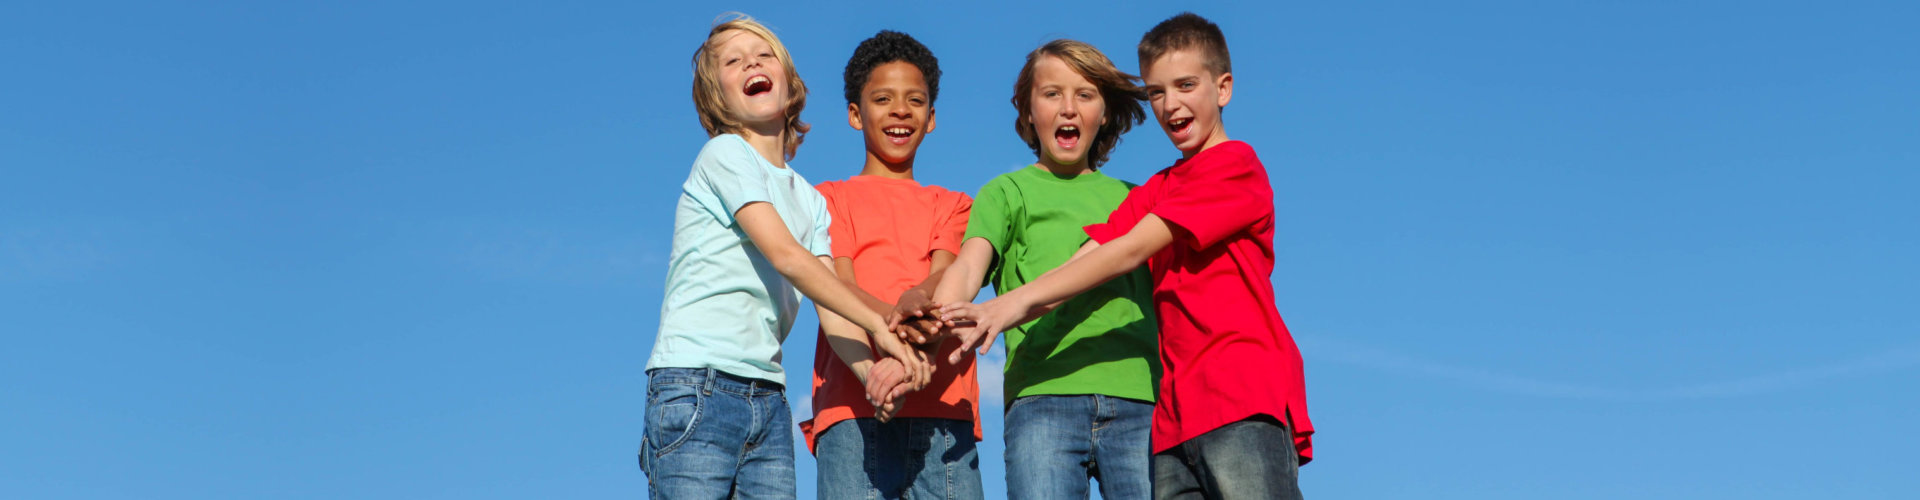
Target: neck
<point>767,140</point>
<point>1063,170</point>
<point>1219,136</point>
<point>880,168</point>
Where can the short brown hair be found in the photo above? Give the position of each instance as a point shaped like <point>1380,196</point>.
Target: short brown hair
<point>1119,91</point>
<point>1187,31</point>
<point>707,93</point>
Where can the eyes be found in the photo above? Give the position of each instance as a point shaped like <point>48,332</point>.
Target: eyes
<point>735,59</point>
<point>912,100</point>
<point>1081,94</point>
<point>1182,85</point>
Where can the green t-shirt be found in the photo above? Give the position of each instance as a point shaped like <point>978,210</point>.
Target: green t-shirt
<point>1100,342</point>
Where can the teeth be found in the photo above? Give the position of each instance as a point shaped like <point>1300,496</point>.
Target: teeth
<point>1070,128</point>
<point>758,79</point>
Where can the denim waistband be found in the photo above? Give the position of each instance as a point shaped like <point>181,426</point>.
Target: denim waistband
<point>711,380</point>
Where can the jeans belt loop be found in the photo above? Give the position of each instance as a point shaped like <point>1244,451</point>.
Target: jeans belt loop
<point>706,385</point>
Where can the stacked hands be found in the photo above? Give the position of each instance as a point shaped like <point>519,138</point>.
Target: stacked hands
<point>918,327</point>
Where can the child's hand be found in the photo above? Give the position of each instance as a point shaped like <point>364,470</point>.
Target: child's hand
<point>978,324</point>
<point>919,370</point>
<point>913,318</point>
<point>887,388</point>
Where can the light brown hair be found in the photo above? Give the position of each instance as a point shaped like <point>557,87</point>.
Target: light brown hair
<point>1119,90</point>
<point>1187,31</point>
<point>707,94</point>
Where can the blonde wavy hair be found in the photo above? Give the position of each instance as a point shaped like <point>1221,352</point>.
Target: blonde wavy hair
<point>707,93</point>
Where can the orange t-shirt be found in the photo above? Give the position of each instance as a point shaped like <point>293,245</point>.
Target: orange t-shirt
<point>890,228</point>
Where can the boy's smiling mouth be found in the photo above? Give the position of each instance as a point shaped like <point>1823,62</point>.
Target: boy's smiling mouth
<point>1179,125</point>
<point>1067,136</point>
<point>758,84</point>
<point>898,134</point>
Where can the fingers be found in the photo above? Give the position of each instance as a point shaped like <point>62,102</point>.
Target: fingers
<point>930,329</point>
<point>988,343</point>
<point>881,378</point>
<point>958,310</point>
<point>923,370</point>
<point>915,330</point>
<point>969,338</point>
<point>893,321</point>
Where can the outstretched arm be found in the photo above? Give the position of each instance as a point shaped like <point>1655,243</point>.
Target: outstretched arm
<point>961,285</point>
<point>808,274</point>
<point>918,368</point>
<point>1088,269</point>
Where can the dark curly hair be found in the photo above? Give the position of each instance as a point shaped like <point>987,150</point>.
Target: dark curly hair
<point>885,47</point>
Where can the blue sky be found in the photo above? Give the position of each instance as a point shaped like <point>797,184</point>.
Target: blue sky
<point>1528,249</point>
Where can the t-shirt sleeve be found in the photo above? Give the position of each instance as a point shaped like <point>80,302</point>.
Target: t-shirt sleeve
<point>841,230</point>
<point>948,234</point>
<point>726,176</point>
<point>1217,201</point>
<point>1123,218</point>
<point>822,241</point>
<point>991,216</point>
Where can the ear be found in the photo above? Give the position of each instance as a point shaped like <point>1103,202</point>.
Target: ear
<point>1225,82</point>
<point>853,116</point>
<point>930,121</point>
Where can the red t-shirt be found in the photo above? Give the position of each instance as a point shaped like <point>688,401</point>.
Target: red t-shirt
<point>890,228</point>
<point>1226,353</point>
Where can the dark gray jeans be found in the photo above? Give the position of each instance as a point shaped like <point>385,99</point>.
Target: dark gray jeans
<point>1252,458</point>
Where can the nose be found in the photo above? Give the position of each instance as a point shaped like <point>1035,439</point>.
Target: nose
<point>1070,109</point>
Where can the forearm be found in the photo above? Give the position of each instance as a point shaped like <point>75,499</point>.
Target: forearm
<point>1093,265</point>
<point>962,280</point>
<point>848,342</point>
<point>815,280</point>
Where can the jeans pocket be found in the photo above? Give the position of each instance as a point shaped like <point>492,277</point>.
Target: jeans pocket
<point>672,412</point>
<point>1019,401</point>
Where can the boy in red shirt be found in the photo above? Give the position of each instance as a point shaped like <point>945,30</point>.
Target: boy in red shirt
<point>1231,420</point>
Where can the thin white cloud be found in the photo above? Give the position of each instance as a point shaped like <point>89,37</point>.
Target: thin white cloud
<point>992,372</point>
<point>41,253</point>
<point>1888,360</point>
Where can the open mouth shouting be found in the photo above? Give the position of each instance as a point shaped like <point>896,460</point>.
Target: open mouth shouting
<point>1179,126</point>
<point>758,84</point>
<point>898,134</point>
<point>1067,136</point>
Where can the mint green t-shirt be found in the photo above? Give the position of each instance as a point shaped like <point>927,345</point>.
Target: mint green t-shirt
<point>726,307</point>
<point>1099,342</point>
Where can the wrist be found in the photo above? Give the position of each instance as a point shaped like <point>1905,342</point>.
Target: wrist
<point>861,369</point>
<point>1021,299</point>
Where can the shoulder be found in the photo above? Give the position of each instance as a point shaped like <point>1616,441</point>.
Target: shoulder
<point>725,146</point>
<point>948,199</point>
<point>1108,182</point>
<point>828,188</point>
<point>941,193</point>
<point>1235,156</point>
<point>1009,181</point>
<point>801,185</point>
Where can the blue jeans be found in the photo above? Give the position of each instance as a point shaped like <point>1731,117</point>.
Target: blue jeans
<point>714,435</point>
<point>1252,458</point>
<point>904,458</point>
<point>1056,443</point>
